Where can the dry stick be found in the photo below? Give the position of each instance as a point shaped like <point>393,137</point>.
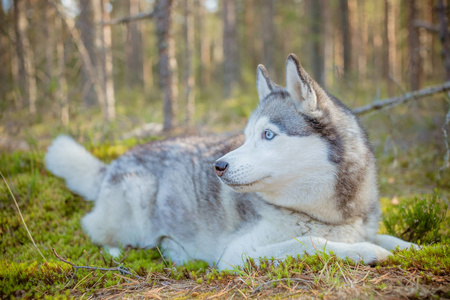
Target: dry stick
<point>21,217</point>
<point>378,104</point>
<point>76,267</point>
<point>83,53</point>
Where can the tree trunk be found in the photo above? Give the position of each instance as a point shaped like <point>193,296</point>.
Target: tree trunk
<point>167,62</point>
<point>414,47</point>
<point>445,37</point>
<point>362,39</point>
<point>327,41</point>
<point>61,91</point>
<point>108,80</point>
<point>147,72</point>
<point>133,48</point>
<point>5,58</point>
<point>189,55</point>
<point>203,44</point>
<point>390,49</point>
<point>346,36</point>
<point>249,19</point>
<point>88,20</point>
<point>25,56</point>
<point>230,47</point>
<point>316,40</point>
<point>353,32</point>
<point>49,15</point>
<point>268,35</point>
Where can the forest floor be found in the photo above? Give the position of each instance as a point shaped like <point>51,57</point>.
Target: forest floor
<point>52,215</point>
<point>414,191</point>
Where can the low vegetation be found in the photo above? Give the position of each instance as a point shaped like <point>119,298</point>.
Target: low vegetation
<point>53,214</point>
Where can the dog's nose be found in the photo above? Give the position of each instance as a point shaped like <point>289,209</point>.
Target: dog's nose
<point>220,167</point>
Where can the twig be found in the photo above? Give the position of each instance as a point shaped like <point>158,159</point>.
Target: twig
<point>76,267</point>
<point>136,17</point>
<point>378,104</point>
<point>21,217</point>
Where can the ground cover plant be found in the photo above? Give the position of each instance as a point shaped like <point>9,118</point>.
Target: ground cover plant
<point>52,215</point>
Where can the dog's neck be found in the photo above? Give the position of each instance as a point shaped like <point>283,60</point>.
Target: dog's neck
<point>313,199</point>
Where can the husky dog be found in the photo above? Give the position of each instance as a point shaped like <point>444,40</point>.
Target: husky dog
<point>301,179</point>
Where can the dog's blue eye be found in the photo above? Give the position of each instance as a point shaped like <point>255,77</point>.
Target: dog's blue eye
<point>268,134</point>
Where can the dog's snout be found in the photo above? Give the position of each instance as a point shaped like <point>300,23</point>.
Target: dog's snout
<point>220,167</point>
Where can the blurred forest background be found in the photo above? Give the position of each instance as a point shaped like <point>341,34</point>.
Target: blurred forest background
<point>104,70</point>
<point>117,73</point>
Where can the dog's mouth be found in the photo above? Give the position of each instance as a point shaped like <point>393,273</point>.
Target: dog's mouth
<point>238,185</point>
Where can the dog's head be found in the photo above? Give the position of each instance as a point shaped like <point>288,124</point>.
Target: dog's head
<point>298,136</point>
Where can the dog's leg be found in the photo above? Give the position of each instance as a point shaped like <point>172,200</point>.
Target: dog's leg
<point>364,251</point>
<point>390,242</point>
<point>113,251</point>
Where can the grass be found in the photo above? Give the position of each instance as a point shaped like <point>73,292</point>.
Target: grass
<point>53,215</point>
<point>408,145</point>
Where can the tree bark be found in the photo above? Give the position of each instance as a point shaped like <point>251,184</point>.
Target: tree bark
<point>390,46</point>
<point>327,41</point>
<point>316,27</point>
<point>444,37</point>
<point>362,39</point>
<point>230,47</point>
<point>108,80</point>
<point>61,91</point>
<point>25,56</point>
<point>133,49</point>
<point>189,54</point>
<point>88,25</point>
<point>49,15</point>
<point>5,58</point>
<point>203,44</point>
<point>346,36</point>
<point>167,62</point>
<point>249,19</point>
<point>414,47</point>
<point>269,35</point>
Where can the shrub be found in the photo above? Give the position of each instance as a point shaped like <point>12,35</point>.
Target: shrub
<point>417,219</point>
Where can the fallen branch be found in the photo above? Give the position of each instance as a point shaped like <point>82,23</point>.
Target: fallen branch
<point>119,268</point>
<point>137,17</point>
<point>378,104</point>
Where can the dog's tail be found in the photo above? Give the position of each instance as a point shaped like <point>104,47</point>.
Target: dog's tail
<point>82,171</point>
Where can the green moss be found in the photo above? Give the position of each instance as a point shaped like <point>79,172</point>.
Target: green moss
<point>52,214</point>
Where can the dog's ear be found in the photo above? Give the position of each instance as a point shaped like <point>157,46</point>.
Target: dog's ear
<point>264,85</point>
<point>300,85</point>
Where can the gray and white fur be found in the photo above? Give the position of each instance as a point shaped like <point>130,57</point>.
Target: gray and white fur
<point>301,179</point>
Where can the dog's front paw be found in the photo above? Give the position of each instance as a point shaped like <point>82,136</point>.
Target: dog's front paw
<point>367,253</point>
<point>113,251</point>
<point>402,245</point>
